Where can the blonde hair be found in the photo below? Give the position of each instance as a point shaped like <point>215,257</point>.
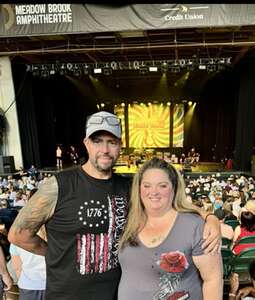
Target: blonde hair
<point>137,216</point>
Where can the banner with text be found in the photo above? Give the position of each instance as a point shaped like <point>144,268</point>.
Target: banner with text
<point>41,19</point>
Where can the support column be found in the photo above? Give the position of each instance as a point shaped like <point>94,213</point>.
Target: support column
<point>11,145</point>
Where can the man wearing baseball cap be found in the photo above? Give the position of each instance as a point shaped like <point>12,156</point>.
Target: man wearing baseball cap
<point>84,210</point>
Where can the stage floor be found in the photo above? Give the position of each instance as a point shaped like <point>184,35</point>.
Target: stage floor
<point>198,168</point>
<point>202,168</point>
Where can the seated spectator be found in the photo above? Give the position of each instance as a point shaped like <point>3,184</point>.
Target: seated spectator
<point>234,294</point>
<point>227,206</point>
<point>30,270</point>
<point>32,171</point>
<point>226,230</point>
<point>246,228</point>
<point>7,214</point>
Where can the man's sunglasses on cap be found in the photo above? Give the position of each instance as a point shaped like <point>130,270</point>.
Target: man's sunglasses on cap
<point>112,121</point>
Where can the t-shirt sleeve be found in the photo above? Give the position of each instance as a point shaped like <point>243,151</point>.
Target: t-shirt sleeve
<point>13,250</point>
<point>198,238</point>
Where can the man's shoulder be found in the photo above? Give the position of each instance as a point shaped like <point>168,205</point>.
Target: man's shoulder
<point>68,172</point>
<point>122,179</point>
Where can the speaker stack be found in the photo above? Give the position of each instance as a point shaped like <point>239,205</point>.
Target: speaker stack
<point>6,164</point>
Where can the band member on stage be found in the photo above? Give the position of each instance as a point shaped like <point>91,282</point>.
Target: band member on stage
<point>74,155</point>
<point>59,157</point>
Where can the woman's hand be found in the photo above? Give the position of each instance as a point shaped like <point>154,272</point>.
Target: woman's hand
<point>8,282</point>
<point>234,283</point>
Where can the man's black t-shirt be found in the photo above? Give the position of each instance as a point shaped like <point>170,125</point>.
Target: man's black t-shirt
<point>82,235</point>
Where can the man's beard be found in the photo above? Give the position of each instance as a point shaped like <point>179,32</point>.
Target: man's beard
<point>105,168</point>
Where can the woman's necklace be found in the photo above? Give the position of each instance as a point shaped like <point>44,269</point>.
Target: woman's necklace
<point>156,239</point>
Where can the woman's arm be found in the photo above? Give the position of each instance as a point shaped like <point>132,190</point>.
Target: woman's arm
<point>17,265</point>
<point>237,232</point>
<point>4,272</point>
<point>242,293</point>
<point>210,268</point>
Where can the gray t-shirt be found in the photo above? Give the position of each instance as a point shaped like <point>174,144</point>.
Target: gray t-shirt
<point>165,272</point>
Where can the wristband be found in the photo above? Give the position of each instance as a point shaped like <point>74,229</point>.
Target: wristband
<point>232,294</point>
<point>211,214</point>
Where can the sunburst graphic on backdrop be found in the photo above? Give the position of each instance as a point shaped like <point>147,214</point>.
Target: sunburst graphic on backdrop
<point>149,126</point>
<point>120,112</point>
<point>178,125</point>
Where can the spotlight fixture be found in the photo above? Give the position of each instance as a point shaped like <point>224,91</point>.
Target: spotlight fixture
<point>86,71</point>
<point>211,68</point>
<point>107,71</point>
<point>77,72</point>
<point>45,73</point>
<point>143,70</point>
<point>211,64</point>
<point>175,69</point>
<point>153,69</point>
<point>202,67</point>
<point>190,103</point>
<point>97,70</point>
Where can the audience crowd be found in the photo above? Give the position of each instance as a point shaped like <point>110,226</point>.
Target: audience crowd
<point>231,198</point>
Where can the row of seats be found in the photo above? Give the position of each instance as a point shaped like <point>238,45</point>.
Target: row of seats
<point>237,263</point>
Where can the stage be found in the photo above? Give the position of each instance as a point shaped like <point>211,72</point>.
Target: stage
<point>201,168</point>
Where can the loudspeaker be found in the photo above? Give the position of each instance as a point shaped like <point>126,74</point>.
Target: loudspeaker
<point>253,164</point>
<point>7,164</point>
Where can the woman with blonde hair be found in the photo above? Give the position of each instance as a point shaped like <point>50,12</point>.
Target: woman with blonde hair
<point>161,252</point>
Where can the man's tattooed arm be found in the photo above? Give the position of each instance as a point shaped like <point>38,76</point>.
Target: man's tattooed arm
<point>32,216</point>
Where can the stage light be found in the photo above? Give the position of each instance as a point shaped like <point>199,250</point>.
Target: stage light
<point>149,103</point>
<point>107,71</point>
<point>122,104</point>
<point>175,69</point>
<point>102,105</point>
<point>69,66</point>
<point>211,68</point>
<point>97,70</point>
<point>168,103</point>
<point>202,67</point>
<point>190,103</point>
<point>153,69</point>
<point>36,73</point>
<point>143,70</point>
<point>190,67</point>
<point>86,71</point>
<point>45,74</point>
<point>98,107</point>
<point>77,72</point>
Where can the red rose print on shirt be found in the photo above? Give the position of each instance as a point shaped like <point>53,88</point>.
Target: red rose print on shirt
<point>173,262</point>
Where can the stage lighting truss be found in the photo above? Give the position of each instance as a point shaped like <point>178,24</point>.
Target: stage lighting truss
<point>143,67</point>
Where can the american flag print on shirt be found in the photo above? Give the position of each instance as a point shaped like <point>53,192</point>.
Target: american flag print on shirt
<point>103,224</point>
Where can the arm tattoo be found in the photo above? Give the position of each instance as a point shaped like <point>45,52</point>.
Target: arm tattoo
<point>39,208</point>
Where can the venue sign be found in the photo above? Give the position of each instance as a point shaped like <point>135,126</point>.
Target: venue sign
<point>41,19</point>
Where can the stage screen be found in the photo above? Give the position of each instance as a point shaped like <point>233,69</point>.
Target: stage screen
<point>119,110</point>
<point>178,125</point>
<point>149,126</point>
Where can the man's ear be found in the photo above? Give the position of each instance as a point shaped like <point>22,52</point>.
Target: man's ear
<point>85,142</point>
